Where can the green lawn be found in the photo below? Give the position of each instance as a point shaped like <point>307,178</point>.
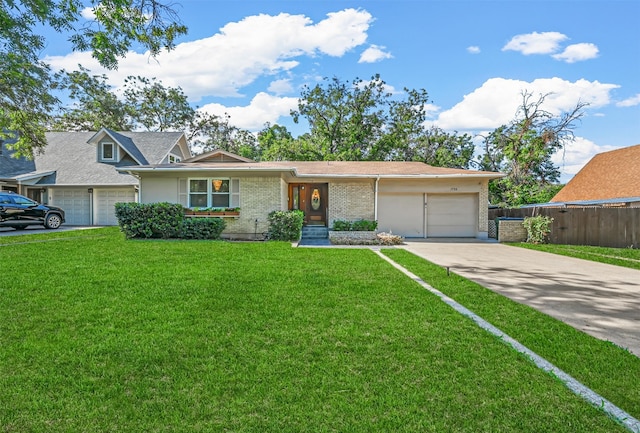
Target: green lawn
<point>100,334</point>
<point>627,257</point>
<point>611,371</point>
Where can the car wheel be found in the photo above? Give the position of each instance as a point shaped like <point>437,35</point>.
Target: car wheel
<point>53,221</point>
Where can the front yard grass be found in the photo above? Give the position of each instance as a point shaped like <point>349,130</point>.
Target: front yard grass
<point>611,371</point>
<point>627,257</point>
<point>101,334</point>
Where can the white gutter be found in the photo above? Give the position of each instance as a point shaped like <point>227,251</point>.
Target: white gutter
<point>375,199</point>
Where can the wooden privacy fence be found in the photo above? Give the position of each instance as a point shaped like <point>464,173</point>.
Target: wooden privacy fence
<point>598,226</point>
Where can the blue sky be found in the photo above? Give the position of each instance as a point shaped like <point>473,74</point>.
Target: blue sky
<point>250,59</point>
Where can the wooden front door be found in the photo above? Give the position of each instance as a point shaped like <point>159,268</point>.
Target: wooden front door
<point>311,198</point>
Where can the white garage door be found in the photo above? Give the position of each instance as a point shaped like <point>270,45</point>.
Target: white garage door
<point>75,203</point>
<point>105,204</point>
<point>452,215</point>
<point>401,214</point>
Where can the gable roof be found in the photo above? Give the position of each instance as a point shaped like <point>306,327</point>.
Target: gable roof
<point>319,169</point>
<point>218,155</point>
<point>609,175</point>
<point>73,158</point>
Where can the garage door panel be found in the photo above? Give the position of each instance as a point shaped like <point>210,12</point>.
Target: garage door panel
<point>452,215</point>
<point>75,203</point>
<point>401,214</point>
<point>106,200</point>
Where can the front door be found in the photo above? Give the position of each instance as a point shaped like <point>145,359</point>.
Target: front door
<point>311,198</point>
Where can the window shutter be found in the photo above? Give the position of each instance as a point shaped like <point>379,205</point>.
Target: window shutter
<point>183,193</point>
<point>234,199</point>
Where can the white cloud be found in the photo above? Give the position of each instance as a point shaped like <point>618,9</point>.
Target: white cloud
<point>575,155</point>
<point>88,14</point>
<point>239,53</point>
<point>495,103</point>
<point>536,43</point>
<point>374,54</point>
<point>473,49</point>
<point>262,108</point>
<point>630,102</point>
<point>577,52</point>
<point>280,87</point>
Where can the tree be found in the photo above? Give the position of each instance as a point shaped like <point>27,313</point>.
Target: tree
<point>156,107</point>
<point>208,132</point>
<point>523,150</point>
<point>26,83</point>
<point>408,139</point>
<point>95,106</point>
<point>277,144</point>
<point>345,119</point>
<point>361,121</point>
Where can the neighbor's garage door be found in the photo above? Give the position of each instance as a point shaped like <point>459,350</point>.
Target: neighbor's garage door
<point>106,200</point>
<point>452,215</point>
<point>401,214</point>
<point>75,203</point>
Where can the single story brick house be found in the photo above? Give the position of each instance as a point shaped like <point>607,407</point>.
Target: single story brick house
<point>77,170</point>
<point>411,199</point>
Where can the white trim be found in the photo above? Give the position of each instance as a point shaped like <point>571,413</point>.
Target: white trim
<point>114,151</point>
<point>210,191</point>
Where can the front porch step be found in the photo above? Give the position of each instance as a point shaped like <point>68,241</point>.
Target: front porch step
<point>315,232</point>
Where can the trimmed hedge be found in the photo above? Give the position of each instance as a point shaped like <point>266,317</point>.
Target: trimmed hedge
<point>164,221</point>
<point>202,228</point>
<point>155,220</point>
<point>355,226</point>
<point>285,225</point>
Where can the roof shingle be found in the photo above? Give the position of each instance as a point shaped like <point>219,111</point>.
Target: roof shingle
<point>614,174</point>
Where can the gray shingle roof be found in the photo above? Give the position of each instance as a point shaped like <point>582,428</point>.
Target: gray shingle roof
<point>75,162</point>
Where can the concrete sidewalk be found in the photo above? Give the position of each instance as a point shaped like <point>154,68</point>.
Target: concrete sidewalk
<point>601,300</point>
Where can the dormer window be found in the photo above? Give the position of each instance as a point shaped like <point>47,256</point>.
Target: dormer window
<point>108,152</point>
<point>174,159</point>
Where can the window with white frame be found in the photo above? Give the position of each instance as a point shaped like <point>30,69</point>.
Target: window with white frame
<point>108,151</point>
<point>214,192</point>
<point>174,158</point>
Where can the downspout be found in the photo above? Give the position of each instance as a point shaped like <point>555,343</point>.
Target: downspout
<point>375,199</point>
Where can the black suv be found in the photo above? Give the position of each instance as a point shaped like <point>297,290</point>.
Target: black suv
<point>18,211</point>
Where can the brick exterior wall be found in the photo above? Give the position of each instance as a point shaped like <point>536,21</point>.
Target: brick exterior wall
<point>511,231</point>
<point>258,197</point>
<point>351,201</point>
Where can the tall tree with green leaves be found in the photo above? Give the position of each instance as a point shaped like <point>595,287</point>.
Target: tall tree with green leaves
<point>94,105</point>
<point>523,150</point>
<point>277,144</point>
<point>208,132</point>
<point>27,84</point>
<point>360,120</point>
<point>156,107</point>
<point>345,118</point>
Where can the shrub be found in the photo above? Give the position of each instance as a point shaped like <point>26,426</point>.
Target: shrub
<point>356,226</point>
<point>285,225</point>
<point>364,226</point>
<point>341,226</point>
<point>155,220</point>
<point>538,228</point>
<point>202,228</point>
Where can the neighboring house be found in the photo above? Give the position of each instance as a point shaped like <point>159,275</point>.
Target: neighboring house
<point>77,170</point>
<point>411,199</point>
<point>609,179</point>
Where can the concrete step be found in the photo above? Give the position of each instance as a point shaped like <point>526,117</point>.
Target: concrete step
<point>315,232</point>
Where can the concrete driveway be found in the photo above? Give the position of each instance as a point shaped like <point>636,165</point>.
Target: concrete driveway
<point>33,230</point>
<point>601,300</point>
